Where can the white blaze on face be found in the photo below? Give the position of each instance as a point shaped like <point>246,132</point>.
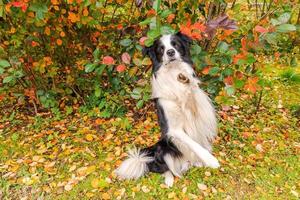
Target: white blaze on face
<point>166,41</point>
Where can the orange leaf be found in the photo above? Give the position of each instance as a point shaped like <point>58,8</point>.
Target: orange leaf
<point>85,12</point>
<point>170,18</point>
<point>251,84</point>
<point>59,42</point>
<point>73,17</point>
<point>47,31</point>
<point>260,29</point>
<point>108,60</point>
<point>205,70</point>
<point>121,68</point>
<point>240,56</point>
<point>244,44</point>
<point>54,2</point>
<point>151,13</point>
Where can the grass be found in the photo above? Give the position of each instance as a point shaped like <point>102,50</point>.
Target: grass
<point>74,157</point>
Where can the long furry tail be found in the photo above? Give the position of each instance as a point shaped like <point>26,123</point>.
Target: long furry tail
<point>135,165</point>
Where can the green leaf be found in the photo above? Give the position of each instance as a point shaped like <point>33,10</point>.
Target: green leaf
<point>97,91</point>
<point>40,9</point>
<point>214,71</point>
<point>156,5</point>
<point>140,104</point>
<point>1,70</point>
<point>8,79</point>
<point>238,83</point>
<point>4,63</point>
<point>90,67</point>
<point>149,42</point>
<point>275,22</point>
<point>250,59</point>
<point>153,33</point>
<point>284,28</point>
<point>145,22</point>
<point>166,30</point>
<point>230,90</point>
<point>125,42</point>
<point>284,18</point>
<point>99,70</point>
<point>136,93</point>
<point>223,47</point>
<point>96,53</point>
<point>271,38</point>
<point>228,72</point>
<point>165,13</point>
<point>196,49</point>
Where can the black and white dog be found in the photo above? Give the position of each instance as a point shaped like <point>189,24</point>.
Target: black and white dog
<point>185,113</point>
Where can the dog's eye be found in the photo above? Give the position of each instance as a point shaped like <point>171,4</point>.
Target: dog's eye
<point>174,44</point>
<point>161,49</point>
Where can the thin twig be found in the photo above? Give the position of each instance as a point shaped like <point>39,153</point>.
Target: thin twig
<point>259,101</point>
<point>263,8</point>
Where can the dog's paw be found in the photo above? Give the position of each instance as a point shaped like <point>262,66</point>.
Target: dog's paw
<point>212,162</point>
<point>198,164</point>
<point>169,179</point>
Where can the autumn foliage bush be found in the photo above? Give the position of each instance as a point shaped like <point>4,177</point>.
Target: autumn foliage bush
<point>86,54</point>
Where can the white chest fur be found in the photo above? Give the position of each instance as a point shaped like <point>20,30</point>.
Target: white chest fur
<point>185,105</point>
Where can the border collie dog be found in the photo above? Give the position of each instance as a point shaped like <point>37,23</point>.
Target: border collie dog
<point>185,113</point>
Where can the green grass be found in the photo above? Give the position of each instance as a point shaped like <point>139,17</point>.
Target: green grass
<point>28,145</point>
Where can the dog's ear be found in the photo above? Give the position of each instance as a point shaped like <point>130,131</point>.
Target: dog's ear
<point>146,50</point>
<point>186,39</point>
<point>149,51</point>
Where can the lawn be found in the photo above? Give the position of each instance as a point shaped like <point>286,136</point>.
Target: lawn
<point>73,156</point>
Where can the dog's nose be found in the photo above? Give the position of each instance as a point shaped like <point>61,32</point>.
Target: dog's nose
<point>171,52</point>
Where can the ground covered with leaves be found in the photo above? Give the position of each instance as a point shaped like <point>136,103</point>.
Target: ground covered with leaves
<point>73,157</point>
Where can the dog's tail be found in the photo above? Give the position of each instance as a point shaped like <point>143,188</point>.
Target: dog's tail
<point>135,165</point>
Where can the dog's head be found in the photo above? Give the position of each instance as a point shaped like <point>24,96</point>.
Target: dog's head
<point>169,48</point>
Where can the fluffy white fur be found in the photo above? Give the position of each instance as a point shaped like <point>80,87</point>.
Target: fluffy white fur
<point>190,114</point>
<point>134,166</point>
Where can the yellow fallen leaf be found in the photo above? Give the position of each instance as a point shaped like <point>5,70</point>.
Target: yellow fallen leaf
<point>95,183</point>
<point>171,195</point>
<point>105,196</point>
<point>89,137</point>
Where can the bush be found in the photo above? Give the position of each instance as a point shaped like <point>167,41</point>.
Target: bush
<point>87,53</point>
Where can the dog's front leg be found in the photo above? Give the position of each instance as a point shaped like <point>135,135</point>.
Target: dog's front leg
<point>207,158</point>
<point>169,178</point>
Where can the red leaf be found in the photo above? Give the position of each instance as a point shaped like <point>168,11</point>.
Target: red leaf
<point>205,70</point>
<point>17,4</point>
<point>260,29</point>
<point>126,58</point>
<point>228,80</point>
<point>21,5</point>
<point>121,68</point>
<point>108,60</point>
